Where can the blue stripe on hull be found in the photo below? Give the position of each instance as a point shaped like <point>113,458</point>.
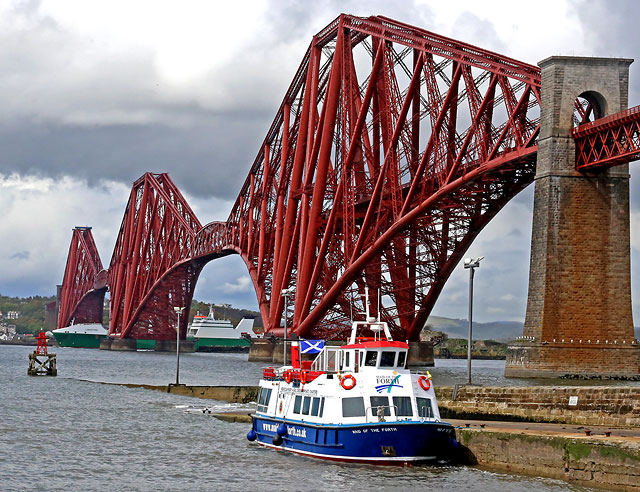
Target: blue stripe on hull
<point>388,442</point>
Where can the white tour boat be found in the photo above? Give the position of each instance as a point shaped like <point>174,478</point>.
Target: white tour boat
<point>356,403</point>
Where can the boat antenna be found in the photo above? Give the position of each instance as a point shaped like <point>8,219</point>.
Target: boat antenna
<point>366,297</point>
<point>351,308</point>
<point>379,290</point>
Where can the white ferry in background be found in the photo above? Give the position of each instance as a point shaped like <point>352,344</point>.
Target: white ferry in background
<point>354,403</point>
<point>212,334</point>
<point>82,335</point>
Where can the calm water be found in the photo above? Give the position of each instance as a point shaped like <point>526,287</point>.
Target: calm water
<point>70,433</point>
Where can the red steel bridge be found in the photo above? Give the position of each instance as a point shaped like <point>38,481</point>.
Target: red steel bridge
<point>392,148</point>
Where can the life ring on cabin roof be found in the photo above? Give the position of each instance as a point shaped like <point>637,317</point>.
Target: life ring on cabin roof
<point>424,382</point>
<point>348,381</point>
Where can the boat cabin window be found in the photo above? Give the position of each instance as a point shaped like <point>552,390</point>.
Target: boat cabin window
<point>297,404</point>
<point>361,358</point>
<point>371,358</point>
<point>328,360</point>
<point>346,359</point>
<point>424,408</point>
<point>380,401</point>
<point>305,405</point>
<point>403,406</point>
<point>353,407</point>
<point>315,407</point>
<point>402,357</point>
<point>387,359</point>
<point>263,399</point>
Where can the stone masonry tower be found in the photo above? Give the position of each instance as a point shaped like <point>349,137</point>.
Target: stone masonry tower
<point>579,321</point>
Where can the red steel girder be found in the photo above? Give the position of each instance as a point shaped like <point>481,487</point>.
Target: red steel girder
<point>157,234</point>
<point>391,150</point>
<point>84,282</point>
<point>609,141</point>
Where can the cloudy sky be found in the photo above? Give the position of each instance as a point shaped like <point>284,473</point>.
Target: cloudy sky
<point>95,93</point>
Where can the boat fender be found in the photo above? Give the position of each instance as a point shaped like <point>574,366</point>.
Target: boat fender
<point>288,376</point>
<point>424,383</point>
<point>251,435</point>
<point>282,430</point>
<point>304,377</point>
<point>277,440</point>
<point>348,381</point>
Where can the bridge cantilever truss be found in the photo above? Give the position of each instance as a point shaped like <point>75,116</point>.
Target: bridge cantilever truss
<point>392,149</point>
<point>84,283</point>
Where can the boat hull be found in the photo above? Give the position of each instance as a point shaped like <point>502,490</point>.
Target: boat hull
<point>78,340</point>
<point>384,443</point>
<point>220,344</point>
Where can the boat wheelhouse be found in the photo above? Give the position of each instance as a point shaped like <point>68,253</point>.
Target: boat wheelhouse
<point>357,402</point>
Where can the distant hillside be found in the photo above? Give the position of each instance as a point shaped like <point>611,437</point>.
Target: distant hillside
<point>459,328</point>
<point>31,309</point>
<point>495,330</point>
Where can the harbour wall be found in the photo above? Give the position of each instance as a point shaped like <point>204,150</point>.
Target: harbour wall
<point>614,406</point>
<point>595,461</point>
<point>594,405</point>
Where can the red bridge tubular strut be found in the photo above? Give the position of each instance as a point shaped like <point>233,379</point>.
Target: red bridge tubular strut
<point>393,147</point>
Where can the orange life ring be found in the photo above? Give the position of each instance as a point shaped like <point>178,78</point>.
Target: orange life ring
<point>304,377</point>
<point>288,376</point>
<point>348,385</point>
<point>424,383</point>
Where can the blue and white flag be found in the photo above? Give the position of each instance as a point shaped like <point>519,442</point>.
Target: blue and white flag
<point>311,346</point>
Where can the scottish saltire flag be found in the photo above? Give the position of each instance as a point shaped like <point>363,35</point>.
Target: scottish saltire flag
<point>311,346</point>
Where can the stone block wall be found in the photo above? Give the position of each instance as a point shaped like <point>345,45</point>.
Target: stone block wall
<point>613,465</point>
<point>596,405</point>
<point>579,282</point>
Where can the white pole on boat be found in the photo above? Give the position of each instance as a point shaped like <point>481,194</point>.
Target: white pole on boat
<point>179,311</point>
<point>471,264</point>
<point>285,293</point>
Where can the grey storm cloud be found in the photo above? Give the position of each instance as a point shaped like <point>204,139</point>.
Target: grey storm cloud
<point>20,255</point>
<point>70,108</point>
<point>203,160</point>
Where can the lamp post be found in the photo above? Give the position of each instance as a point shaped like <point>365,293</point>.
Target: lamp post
<point>285,293</point>
<point>179,311</point>
<point>471,264</point>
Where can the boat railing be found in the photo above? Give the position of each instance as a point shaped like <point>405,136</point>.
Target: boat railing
<point>381,418</point>
<point>328,360</point>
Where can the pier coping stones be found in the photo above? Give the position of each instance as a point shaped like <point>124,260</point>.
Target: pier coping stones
<point>595,405</point>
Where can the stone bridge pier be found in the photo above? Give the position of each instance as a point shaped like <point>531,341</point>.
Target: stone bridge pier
<point>578,321</point>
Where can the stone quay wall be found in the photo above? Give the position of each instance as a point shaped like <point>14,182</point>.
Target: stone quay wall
<point>608,463</point>
<point>613,406</point>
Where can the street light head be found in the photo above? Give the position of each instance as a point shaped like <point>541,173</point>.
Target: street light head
<point>287,292</point>
<point>178,309</point>
<point>471,263</point>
